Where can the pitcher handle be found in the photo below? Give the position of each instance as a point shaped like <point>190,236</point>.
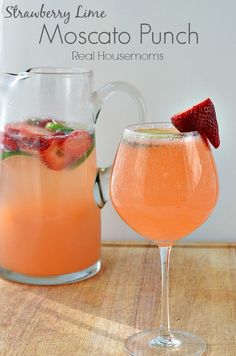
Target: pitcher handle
<point>101,186</point>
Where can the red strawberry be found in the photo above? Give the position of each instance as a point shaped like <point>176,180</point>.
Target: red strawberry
<point>53,154</point>
<point>77,143</point>
<point>59,152</point>
<point>26,137</point>
<point>9,142</point>
<point>10,137</point>
<point>26,129</point>
<point>12,129</point>
<point>32,131</point>
<point>201,118</point>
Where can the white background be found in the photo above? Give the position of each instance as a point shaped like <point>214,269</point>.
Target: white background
<point>188,74</point>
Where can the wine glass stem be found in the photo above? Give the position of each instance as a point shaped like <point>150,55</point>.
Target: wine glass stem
<point>165,332</point>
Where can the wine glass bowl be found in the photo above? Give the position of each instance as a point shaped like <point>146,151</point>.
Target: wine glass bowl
<point>164,185</point>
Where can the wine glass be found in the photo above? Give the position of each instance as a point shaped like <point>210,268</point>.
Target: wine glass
<point>164,185</point>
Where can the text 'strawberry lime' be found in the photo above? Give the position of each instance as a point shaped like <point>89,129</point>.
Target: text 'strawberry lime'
<point>201,118</point>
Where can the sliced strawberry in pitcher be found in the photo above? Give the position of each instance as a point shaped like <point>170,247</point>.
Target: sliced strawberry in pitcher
<point>201,118</point>
<point>57,150</point>
<point>10,137</point>
<point>77,143</point>
<point>25,136</point>
<point>9,142</point>
<point>25,129</point>
<point>13,128</point>
<point>60,152</point>
<point>33,131</point>
<point>53,154</point>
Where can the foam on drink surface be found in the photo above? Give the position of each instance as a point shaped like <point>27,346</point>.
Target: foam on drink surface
<point>153,136</point>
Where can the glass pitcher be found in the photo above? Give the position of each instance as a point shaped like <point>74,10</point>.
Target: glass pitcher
<point>51,191</point>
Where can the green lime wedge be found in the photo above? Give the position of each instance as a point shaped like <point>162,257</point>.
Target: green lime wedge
<point>59,128</point>
<point>7,154</point>
<point>155,133</point>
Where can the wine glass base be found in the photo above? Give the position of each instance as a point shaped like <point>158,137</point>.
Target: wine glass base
<point>147,343</point>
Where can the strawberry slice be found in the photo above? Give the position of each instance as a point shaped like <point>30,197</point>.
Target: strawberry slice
<point>9,142</point>
<point>201,118</point>
<point>60,152</point>
<point>56,150</point>
<point>33,131</point>
<point>13,127</point>
<point>77,143</point>
<point>53,154</point>
<point>26,129</point>
<point>25,136</point>
<point>10,137</point>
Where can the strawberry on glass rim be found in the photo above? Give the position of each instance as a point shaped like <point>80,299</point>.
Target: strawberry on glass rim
<point>57,145</point>
<point>201,118</point>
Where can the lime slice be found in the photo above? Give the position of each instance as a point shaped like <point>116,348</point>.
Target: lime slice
<point>59,128</point>
<point>159,133</point>
<point>7,154</point>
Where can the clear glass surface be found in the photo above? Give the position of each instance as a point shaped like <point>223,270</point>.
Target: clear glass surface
<point>51,191</point>
<point>164,185</point>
